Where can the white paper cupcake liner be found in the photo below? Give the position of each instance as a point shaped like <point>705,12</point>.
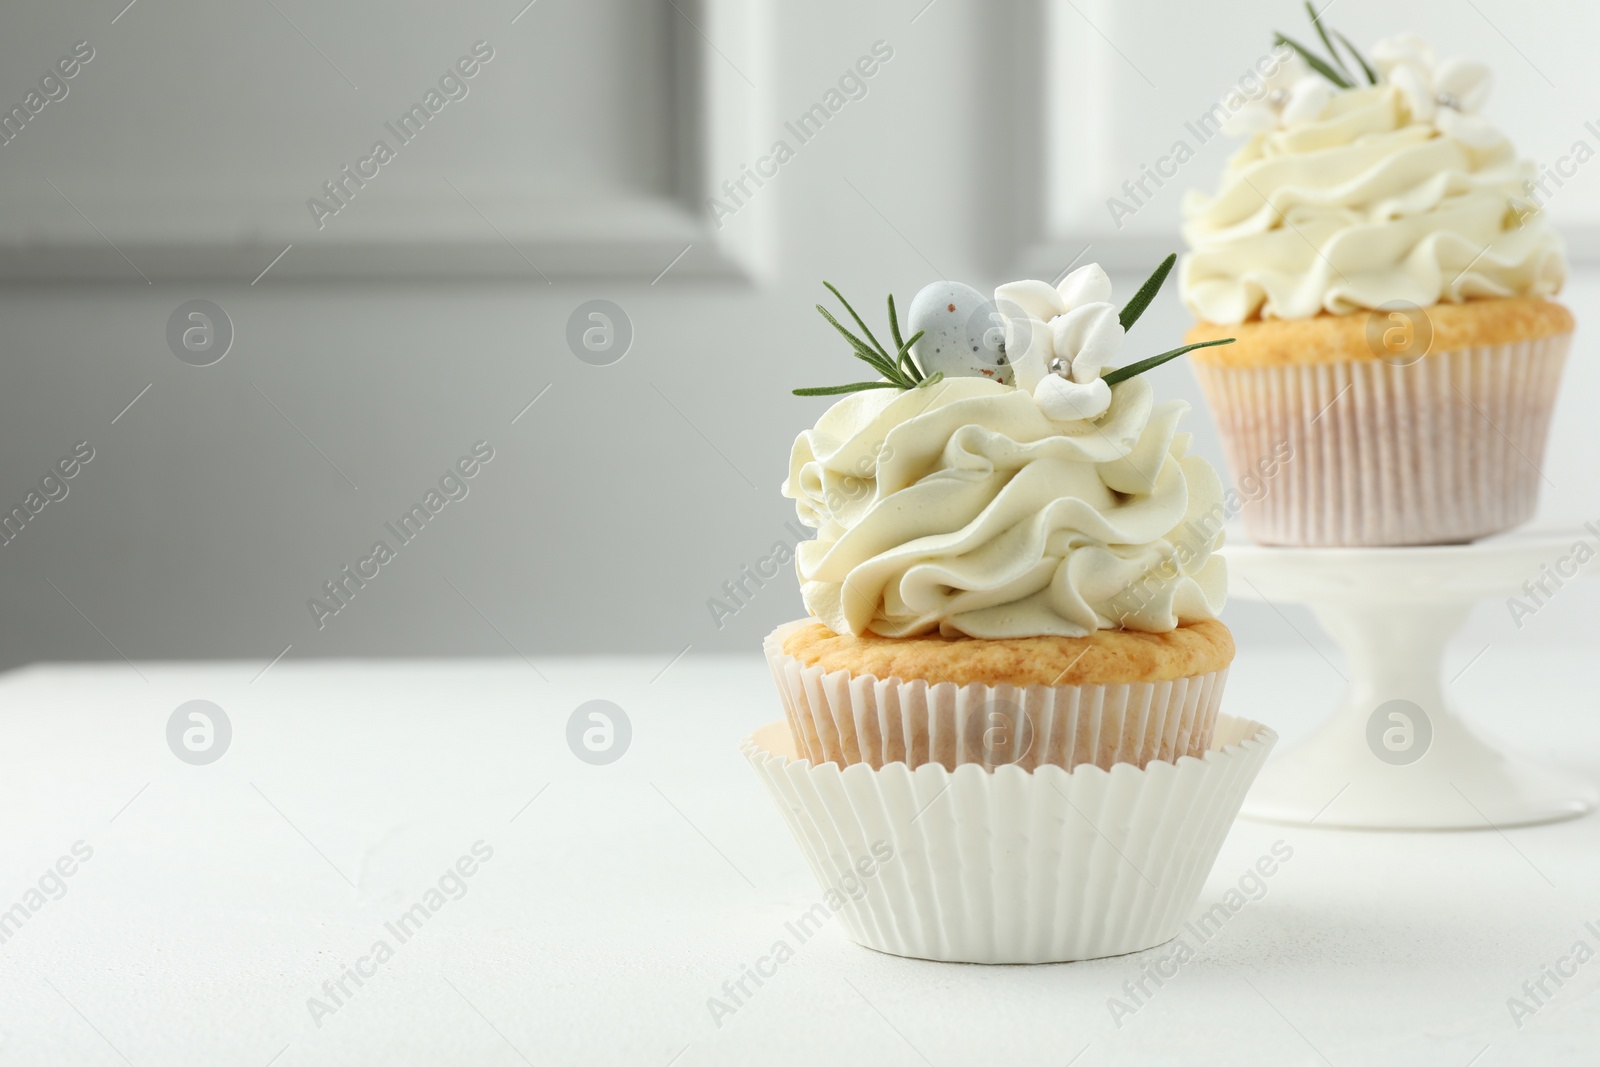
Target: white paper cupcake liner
<point>1012,866</point>
<point>1443,450</point>
<point>847,719</point>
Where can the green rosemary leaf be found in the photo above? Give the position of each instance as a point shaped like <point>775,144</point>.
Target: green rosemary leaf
<point>900,371</point>
<point>1122,374</point>
<point>1366,68</point>
<point>853,387</point>
<point>1315,62</point>
<point>933,379</point>
<point>1147,292</point>
<point>1316,20</point>
<point>856,343</point>
<point>903,357</point>
<point>881,350</point>
<point>881,364</point>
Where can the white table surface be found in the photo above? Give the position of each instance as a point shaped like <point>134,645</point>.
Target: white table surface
<point>220,898</point>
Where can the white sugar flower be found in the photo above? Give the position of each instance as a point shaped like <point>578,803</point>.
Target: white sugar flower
<point>1059,337</point>
<point>1293,94</point>
<point>1446,95</point>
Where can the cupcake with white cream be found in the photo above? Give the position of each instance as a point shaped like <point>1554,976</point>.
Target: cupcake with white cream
<point>1015,560</point>
<point>1006,702</point>
<point>1381,254</point>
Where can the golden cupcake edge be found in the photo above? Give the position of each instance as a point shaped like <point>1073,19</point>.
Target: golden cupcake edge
<point>1106,657</point>
<point>1345,338</point>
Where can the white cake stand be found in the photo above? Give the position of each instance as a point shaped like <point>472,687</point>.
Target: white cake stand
<point>1396,755</point>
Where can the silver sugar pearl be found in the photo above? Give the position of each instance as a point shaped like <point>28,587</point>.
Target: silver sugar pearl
<point>1278,97</point>
<point>1448,100</point>
<point>1060,368</point>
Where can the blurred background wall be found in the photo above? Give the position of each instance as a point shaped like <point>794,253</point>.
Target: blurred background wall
<point>424,307</point>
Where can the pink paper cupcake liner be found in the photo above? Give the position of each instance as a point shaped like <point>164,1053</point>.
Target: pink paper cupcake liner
<point>1443,450</point>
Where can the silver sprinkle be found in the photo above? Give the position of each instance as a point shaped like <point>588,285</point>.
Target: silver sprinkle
<point>1278,97</point>
<point>1060,367</point>
<point>1448,100</point>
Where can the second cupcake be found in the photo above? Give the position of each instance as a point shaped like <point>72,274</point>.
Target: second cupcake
<point>1383,258</point>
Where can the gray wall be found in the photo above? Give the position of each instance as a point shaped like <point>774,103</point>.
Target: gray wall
<point>618,503</point>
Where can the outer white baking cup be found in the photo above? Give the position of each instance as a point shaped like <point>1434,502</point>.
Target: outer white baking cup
<point>1443,450</point>
<point>847,718</point>
<point>1012,866</point>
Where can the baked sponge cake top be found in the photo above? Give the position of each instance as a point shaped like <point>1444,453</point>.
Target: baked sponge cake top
<point>1105,657</point>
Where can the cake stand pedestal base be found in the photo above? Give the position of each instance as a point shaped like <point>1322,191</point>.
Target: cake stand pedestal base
<point>1396,755</point>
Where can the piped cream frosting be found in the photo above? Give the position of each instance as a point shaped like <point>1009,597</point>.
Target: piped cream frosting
<point>1396,192</point>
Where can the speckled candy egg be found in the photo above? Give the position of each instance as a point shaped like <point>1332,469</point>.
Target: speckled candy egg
<point>962,333</point>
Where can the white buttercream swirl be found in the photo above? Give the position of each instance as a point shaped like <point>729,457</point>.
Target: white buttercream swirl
<point>962,508</point>
<point>1374,201</point>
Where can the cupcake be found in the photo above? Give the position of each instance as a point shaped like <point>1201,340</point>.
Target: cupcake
<point>1382,257</point>
<point>1015,560</point>
<point>1002,740</point>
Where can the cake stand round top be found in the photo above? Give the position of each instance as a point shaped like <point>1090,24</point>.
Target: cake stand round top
<point>1408,574</point>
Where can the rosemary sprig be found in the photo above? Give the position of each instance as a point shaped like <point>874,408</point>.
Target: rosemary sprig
<point>899,370</point>
<point>1122,374</point>
<point>902,359</point>
<point>1366,68</point>
<point>1136,307</point>
<point>1341,77</point>
<point>859,322</point>
<point>1147,292</point>
<point>856,387</point>
<point>879,363</point>
<point>1315,61</point>
<point>1316,21</point>
<point>902,347</point>
<point>852,387</point>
